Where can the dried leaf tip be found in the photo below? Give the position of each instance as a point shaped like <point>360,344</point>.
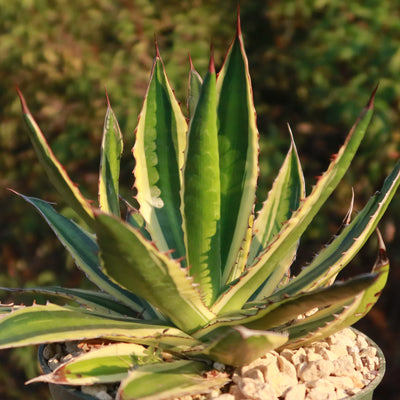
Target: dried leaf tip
<point>382,259</point>
<point>381,243</point>
<point>370,104</point>
<point>156,47</point>
<point>292,142</point>
<point>290,131</point>
<point>107,98</point>
<point>191,62</point>
<point>347,218</point>
<point>238,24</point>
<point>211,67</point>
<point>24,106</point>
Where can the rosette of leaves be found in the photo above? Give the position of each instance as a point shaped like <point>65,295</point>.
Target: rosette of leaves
<point>194,275</point>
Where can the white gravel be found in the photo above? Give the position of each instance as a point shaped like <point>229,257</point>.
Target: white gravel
<point>333,369</point>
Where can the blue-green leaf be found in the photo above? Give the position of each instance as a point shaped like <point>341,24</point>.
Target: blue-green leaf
<point>84,249</point>
<point>55,171</point>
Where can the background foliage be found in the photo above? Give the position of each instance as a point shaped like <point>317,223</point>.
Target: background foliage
<point>314,64</point>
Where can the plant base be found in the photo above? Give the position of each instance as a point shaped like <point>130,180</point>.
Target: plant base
<point>249,374</point>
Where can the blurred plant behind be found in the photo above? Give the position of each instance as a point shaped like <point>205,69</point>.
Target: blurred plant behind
<point>313,64</point>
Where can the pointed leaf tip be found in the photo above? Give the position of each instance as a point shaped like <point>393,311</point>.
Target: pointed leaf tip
<point>107,98</point>
<point>191,62</point>
<point>290,132</point>
<point>156,46</point>
<point>211,67</point>
<point>370,104</point>
<point>238,24</point>
<point>24,106</point>
<point>382,255</point>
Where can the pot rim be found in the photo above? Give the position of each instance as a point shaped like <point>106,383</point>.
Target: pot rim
<point>70,389</point>
<point>381,371</point>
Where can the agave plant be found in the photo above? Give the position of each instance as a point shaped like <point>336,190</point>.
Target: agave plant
<point>193,271</point>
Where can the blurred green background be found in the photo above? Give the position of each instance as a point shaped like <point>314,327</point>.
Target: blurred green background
<point>314,64</point>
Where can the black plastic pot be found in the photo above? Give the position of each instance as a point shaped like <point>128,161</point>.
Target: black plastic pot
<point>60,392</point>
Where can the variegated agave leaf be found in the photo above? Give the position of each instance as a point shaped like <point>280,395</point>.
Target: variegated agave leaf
<point>52,323</point>
<point>100,302</point>
<point>107,364</point>
<point>158,152</point>
<point>55,171</point>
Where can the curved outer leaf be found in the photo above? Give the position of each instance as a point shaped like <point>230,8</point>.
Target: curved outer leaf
<point>98,302</point>
<point>350,314</point>
<point>239,345</point>
<point>195,83</point>
<point>277,310</point>
<point>168,380</point>
<point>111,150</point>
<point>238,294</point>
<point>55,171</point>
<point>201,193</point>
<point>137,265</point>
<point>238,152</point>
<point>84,250</point>
<point>308,330</point>
<point>158,151</point>
<point>342,249</point>
<point>51,323</point>
<point>108,364</point>
<point>280,312</point>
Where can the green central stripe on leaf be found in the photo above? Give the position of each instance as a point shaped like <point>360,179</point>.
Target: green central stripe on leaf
<point>201,194</point>
<point>158,151</point>
<point>238,153</point>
